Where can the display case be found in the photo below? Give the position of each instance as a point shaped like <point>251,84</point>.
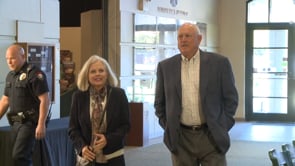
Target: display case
<point>42,55</point>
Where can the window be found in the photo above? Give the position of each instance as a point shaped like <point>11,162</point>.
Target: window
<point>154,39</point>
<point>264,11</point>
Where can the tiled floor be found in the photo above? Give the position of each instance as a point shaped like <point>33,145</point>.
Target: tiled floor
<point>263,131</point>
<point>256,131</point>
<point>250,144</point>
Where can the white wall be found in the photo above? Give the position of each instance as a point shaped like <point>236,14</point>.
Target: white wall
<point>232,21</point>
<point>195,10</point>
<point>33,21</point>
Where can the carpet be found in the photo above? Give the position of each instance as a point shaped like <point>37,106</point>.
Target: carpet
<point>241,153</point>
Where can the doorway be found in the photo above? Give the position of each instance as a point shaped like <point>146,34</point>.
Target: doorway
<point>270,72</point>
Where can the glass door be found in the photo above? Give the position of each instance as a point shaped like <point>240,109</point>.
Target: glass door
<point>270,72</point>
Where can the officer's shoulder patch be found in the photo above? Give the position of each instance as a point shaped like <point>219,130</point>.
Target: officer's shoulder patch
<point>40,75</point>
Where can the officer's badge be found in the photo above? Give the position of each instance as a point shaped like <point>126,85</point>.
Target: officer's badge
<point>22,76</point>
<point>40,76</point>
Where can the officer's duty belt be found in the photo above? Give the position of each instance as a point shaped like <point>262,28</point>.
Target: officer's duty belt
<point>16,117</point>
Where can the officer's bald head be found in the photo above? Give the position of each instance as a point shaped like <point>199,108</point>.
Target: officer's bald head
<point>15,57</point>
<point>16,49</point>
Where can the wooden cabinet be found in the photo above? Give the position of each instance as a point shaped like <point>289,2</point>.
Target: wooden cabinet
<point>139,132</point>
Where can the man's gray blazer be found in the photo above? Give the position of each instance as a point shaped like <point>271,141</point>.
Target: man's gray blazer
<point>218,96</point>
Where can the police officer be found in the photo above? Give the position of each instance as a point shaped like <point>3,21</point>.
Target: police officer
<point>26,94</point>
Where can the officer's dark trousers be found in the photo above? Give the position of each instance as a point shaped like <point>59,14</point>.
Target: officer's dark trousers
<point>23,137</point>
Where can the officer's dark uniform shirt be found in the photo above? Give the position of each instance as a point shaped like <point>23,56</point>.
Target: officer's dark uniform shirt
<point>24,87</point>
